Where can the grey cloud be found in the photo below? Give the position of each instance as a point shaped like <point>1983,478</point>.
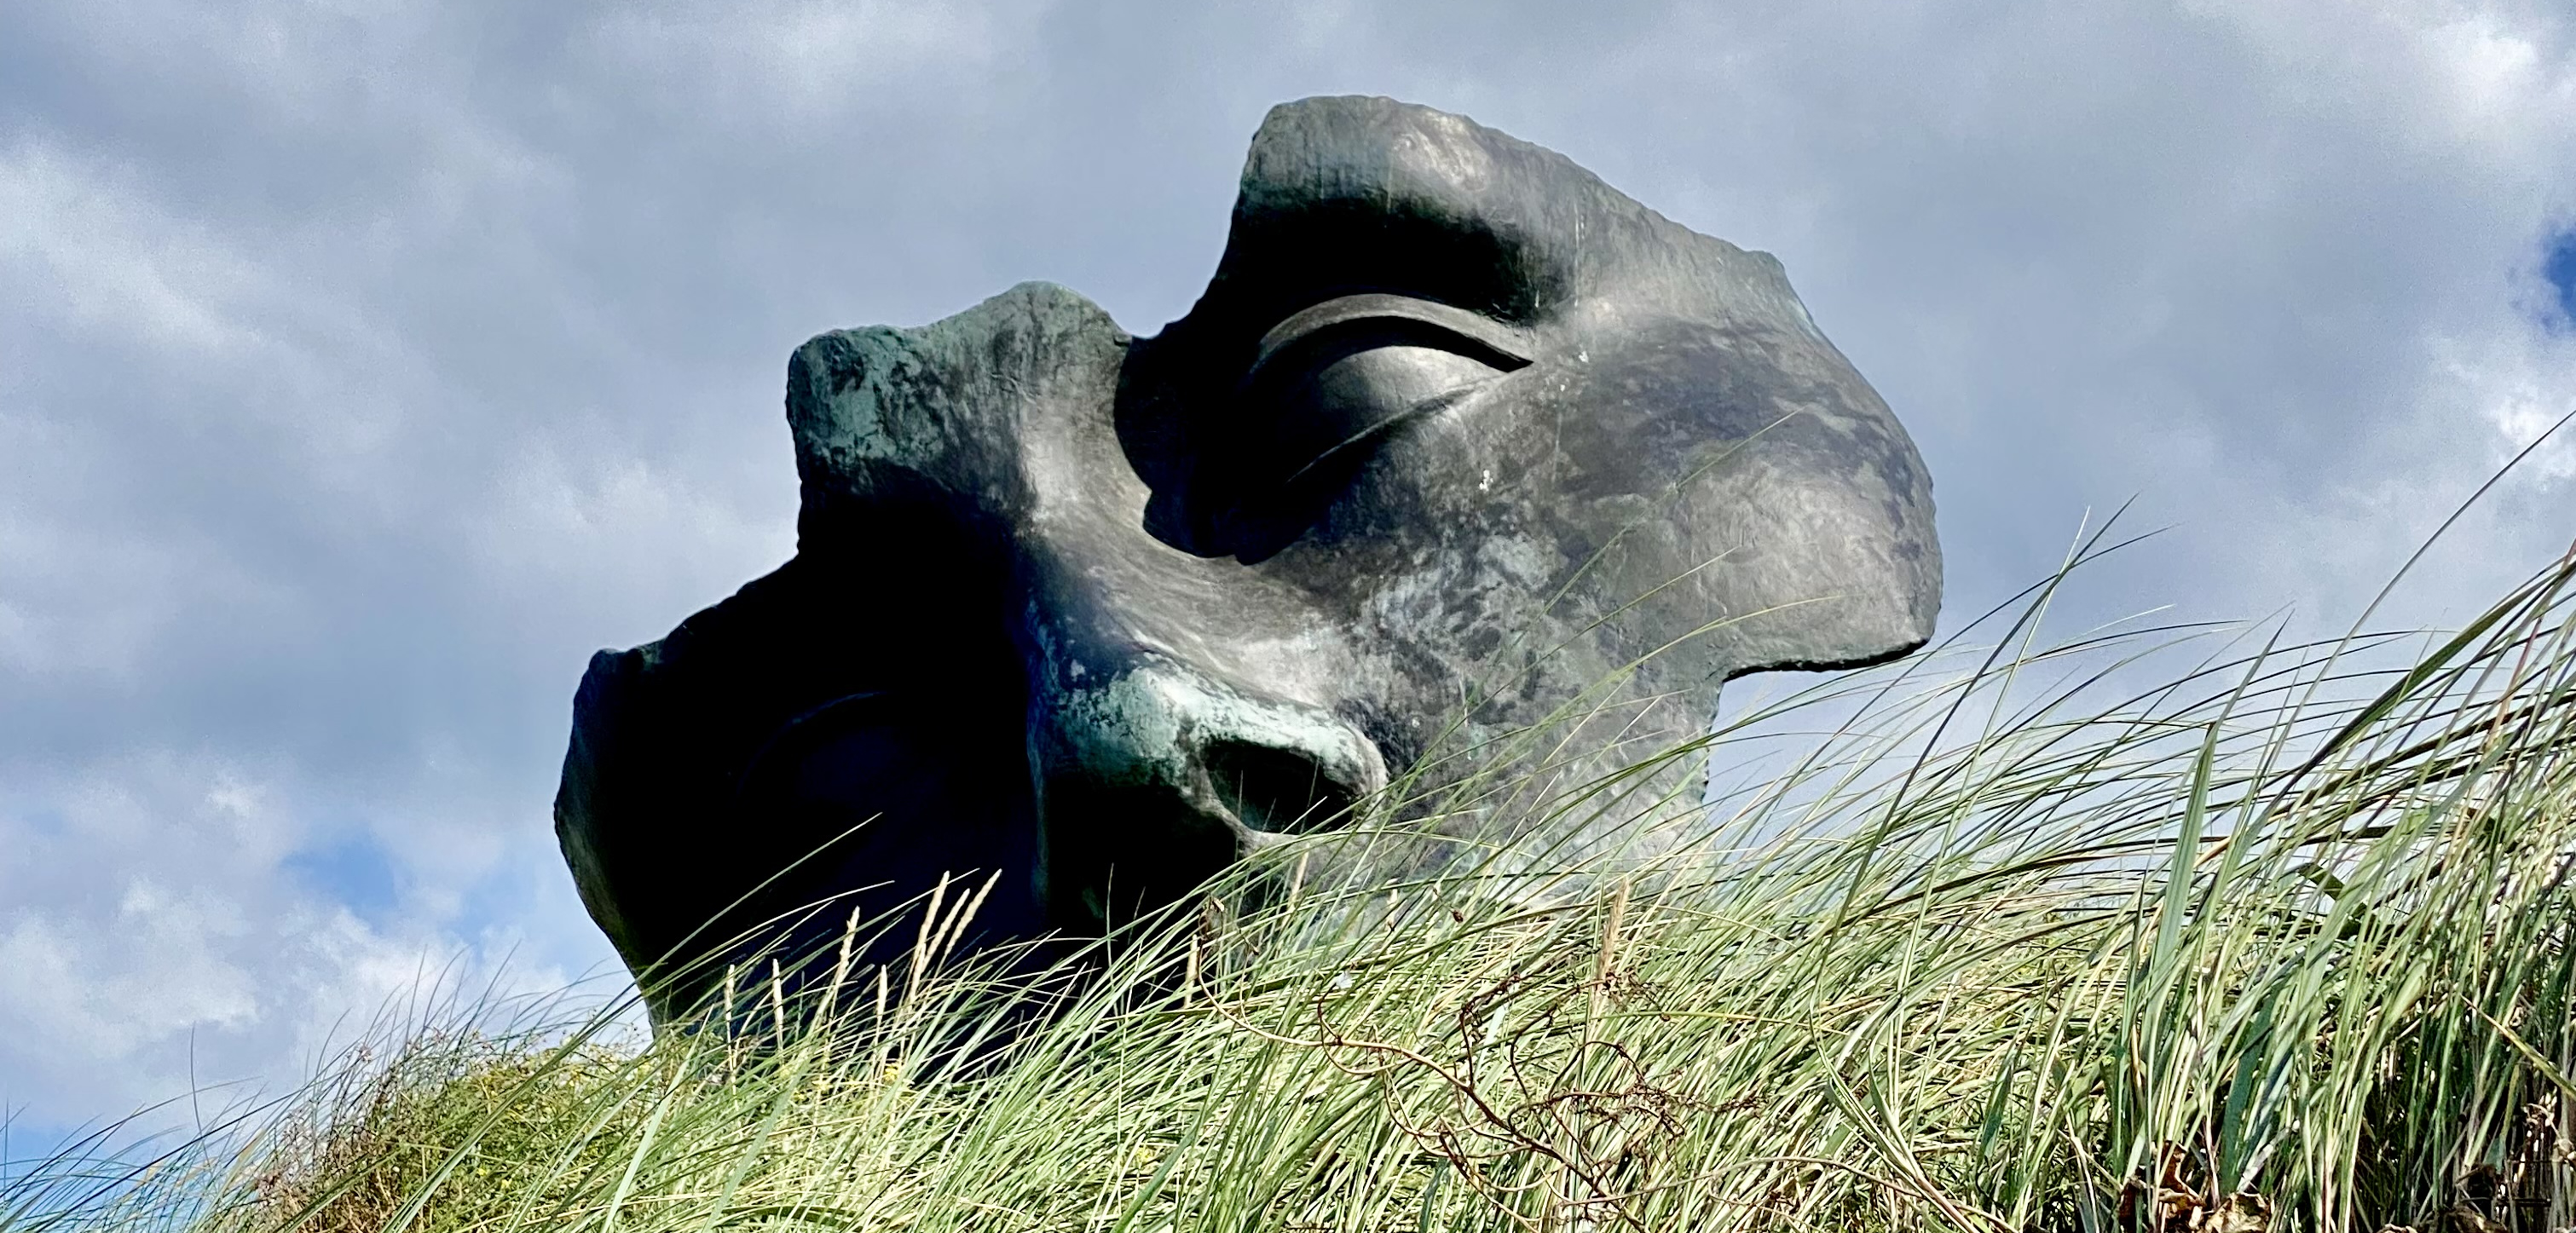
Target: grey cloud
<point>360,373</point>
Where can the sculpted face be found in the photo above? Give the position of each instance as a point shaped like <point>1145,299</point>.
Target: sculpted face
<point>1457,434</point>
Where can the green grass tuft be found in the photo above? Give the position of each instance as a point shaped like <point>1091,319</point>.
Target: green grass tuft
<point>2280,943</point>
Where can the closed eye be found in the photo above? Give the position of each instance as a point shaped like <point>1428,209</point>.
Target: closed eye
<point>1329,383</point>
<point>1470,335</point>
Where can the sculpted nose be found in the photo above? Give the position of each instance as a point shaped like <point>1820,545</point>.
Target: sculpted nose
<point>1154,776</point>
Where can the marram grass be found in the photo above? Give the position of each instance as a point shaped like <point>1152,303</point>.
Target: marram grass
<point>2280,944</point>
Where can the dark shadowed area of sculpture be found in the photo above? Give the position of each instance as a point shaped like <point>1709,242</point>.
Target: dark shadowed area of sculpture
<point>1456,434</point>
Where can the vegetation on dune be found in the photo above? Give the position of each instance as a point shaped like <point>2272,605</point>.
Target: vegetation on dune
<point>2281,943</point>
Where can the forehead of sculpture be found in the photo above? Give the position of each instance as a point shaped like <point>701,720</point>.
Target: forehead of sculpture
<point>1348,194</point>
<point>1346,200</point>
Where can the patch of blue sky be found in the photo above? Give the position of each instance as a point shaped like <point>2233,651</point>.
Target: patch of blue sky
<point>42,821</point>
<point>2558,265</point>
<point>355,872</point>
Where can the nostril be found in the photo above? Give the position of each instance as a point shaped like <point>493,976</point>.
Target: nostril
<point>1156,777</point>
<point>1277,791</point>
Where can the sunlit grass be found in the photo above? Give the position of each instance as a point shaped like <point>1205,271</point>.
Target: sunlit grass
<point>2281,942</point>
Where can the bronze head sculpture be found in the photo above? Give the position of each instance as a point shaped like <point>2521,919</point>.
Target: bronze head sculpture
<point>1456,433</point>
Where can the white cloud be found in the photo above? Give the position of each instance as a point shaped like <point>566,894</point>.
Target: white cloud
<point>71,243</point>
<point>363,366</point>
<point>808,61</point>
<point>2522,382</point>
<point>154,929</point>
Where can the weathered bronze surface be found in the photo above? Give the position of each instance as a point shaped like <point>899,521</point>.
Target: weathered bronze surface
<point>1456,433</point>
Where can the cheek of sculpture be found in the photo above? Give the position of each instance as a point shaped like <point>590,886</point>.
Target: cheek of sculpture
<point>869,800</point>
<point>1680,495</point>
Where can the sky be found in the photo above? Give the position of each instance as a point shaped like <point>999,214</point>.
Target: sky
<point>366,364</point>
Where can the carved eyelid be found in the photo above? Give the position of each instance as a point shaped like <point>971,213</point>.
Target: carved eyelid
<point>1503,346</point>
